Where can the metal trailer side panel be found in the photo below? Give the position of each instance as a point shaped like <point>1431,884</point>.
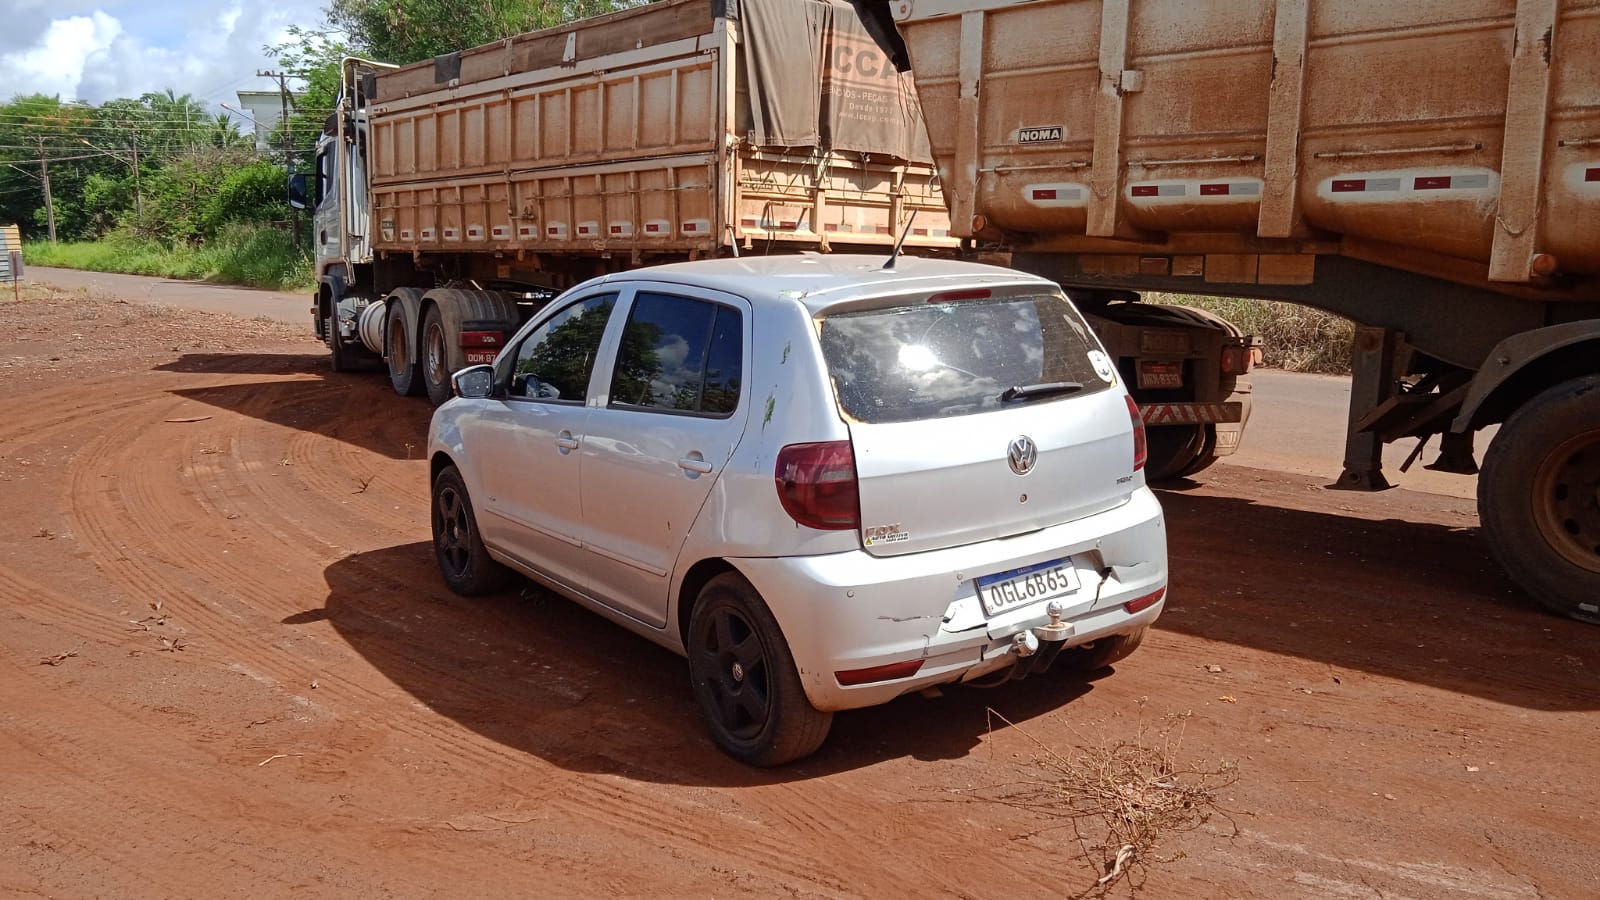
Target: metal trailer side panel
<point>1452,137</point>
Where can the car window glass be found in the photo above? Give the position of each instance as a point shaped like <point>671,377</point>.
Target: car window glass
<point>554,361</point>
<point>679,354</point>
<point>932,360</point>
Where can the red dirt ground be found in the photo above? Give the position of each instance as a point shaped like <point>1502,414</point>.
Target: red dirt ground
<point>228,668</point>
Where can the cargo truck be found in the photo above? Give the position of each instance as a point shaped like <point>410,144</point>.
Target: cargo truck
<point>454,196</point>
<point>1429,169</point>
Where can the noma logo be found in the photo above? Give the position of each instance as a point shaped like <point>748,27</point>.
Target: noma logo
<point>1039,134</point>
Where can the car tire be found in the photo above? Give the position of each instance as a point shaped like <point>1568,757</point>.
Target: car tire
<point>435,357</point>
<point>1106,651</point>
<point>464,561</point>
<point>745,679</point>
<point>405,369</point>
<point>1537,500</point>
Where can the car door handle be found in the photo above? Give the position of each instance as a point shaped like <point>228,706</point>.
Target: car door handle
<point>566,441</point>
<point>694,462</point>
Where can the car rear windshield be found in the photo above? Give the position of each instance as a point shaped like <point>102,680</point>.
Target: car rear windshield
<point>932,359</point>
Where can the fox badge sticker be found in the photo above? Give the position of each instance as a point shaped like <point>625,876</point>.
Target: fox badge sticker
<point>1103,366</point>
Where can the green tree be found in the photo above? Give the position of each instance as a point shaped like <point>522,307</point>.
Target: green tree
<point>405,31</point>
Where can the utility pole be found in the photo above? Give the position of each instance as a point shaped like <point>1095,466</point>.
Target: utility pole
<point>288,146</point>
<point>138,192</point>
<point>44,176</point>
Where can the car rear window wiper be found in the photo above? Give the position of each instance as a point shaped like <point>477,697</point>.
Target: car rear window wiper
<point>1035,391</point>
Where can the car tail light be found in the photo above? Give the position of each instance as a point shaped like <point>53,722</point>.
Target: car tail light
<point>482,338</point>
<point>817,485</point>
<point>954,296</point>
<point>879,673</point>
<point>1143,603</point>
<point>1140,450</point>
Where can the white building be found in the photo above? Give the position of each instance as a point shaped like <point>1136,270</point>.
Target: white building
<point>266,109</point>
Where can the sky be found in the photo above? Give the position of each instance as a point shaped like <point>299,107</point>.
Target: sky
<point>97,50</point>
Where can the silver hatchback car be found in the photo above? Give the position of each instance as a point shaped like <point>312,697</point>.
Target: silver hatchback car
<point>826,480</point>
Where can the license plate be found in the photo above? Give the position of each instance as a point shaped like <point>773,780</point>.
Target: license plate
<point>474,357</point>
<point>1005,591</point>
<point>1160,374</point>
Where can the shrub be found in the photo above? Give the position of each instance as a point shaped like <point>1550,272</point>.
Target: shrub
<point>1293,337</point>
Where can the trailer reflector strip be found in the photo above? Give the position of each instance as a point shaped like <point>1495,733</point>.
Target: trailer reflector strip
<point>1249,188</point>
<point>697,226</point>
<point>589,228</point>
<point>474,232</point>
<point>524,231</point>
<point>405,234</point>
<point>1449,182</point>
<point>1057,195</point>
<point>482,338</point>
<point>1191,413</point>
<point>1592,175</point>
<point>500,232</point>
<point>452,234</point>
<point>427,234</point>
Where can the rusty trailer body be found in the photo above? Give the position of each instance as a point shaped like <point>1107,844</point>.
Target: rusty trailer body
<point>1427,168</point>
<point>632,137</point>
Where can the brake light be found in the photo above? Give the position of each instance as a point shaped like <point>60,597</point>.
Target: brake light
<point>482,338</point>
<point>879,673</point>
<point>954,296</point>
<point>1141,451</point>
<point>817,485</point>
<point>1143,603</point>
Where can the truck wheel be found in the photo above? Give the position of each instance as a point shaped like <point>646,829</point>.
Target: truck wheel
<point>1101,653</point>
<point>340,357</point>
<point>1539,497</point>
<point>405,372</point>
<point>1208,454</point>
<point>745,679</point>
<point>435,362</point>
<point>457,546</point>
<point>1172,449</point>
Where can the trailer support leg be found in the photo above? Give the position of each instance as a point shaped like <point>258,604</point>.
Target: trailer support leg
<point>1371,383</point>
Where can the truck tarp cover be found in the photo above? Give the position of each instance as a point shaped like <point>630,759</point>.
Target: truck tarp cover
<point>855,99</point>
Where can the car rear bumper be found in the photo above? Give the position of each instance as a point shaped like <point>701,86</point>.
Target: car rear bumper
<point>845,612</point>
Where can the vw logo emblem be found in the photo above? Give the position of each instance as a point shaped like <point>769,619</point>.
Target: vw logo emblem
<point>1022,454</point>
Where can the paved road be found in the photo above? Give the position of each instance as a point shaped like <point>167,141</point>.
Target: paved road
<point>238,301</point>
<point>1297,424</point>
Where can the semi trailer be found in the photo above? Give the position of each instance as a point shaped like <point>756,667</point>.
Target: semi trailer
<point>1429,169</point>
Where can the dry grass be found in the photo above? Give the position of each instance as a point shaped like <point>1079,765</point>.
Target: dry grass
<point>1119,799</point>
<point>1294,337</point>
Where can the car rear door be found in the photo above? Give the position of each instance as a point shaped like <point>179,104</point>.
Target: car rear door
<point>672,414</point>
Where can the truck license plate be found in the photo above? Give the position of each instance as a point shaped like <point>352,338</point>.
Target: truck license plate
<point>1005,591</point>
<point>474,357</point>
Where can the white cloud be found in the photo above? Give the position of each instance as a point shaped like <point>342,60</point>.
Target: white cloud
<point>121,48</point>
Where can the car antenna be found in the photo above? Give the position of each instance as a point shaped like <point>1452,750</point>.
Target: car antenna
<point>894,254</point>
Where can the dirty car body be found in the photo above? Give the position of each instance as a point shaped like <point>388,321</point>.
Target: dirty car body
<point>826,480</point>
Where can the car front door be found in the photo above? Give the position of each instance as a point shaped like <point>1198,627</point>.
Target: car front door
<point>530,439</point>
<point>671,416</point>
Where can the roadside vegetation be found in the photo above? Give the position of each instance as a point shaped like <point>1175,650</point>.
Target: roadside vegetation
<point>1294,338</point>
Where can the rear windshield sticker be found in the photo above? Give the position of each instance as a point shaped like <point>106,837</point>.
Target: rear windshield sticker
<point>1103,366</point>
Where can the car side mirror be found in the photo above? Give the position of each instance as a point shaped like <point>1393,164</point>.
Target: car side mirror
<point>297,190</point>
<point>473,382</point>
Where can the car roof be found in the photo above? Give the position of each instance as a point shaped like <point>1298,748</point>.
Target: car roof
<point>820,280</point>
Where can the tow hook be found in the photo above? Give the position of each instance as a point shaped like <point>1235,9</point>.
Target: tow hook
<point>1037,649</point>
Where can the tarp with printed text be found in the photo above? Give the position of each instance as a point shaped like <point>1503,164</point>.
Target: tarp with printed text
<point>854,99</point>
